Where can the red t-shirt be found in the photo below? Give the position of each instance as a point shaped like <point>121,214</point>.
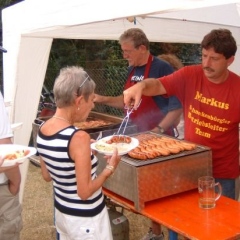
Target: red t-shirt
<point>211,115</point>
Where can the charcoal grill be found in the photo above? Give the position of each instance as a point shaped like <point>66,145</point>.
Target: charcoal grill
<point>140,181</point>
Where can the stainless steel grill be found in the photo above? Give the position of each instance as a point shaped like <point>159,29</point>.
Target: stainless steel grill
<point>141,181</point>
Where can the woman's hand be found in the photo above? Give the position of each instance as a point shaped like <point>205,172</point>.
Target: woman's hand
<point>114,159</point>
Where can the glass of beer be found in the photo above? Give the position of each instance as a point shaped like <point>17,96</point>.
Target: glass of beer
<point>209,192</point>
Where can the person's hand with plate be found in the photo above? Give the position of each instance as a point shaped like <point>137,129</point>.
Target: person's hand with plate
<point>4,169</point>
<point>113,160</point>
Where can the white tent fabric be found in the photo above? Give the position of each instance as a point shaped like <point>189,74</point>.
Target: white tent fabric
<point>29,28</point>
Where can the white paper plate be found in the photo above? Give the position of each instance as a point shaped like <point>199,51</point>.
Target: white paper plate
<point>11,148</point>
<point>123,148</point>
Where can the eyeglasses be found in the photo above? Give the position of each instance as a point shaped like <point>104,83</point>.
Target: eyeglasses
<point>87,78</point>
<point>127,51</point>
<point>130,51</point>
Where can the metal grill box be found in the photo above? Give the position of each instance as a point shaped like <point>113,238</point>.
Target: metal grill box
<point>141,181</point>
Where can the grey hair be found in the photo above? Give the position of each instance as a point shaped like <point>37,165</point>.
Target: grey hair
<point>67,86</point>
<point>136,36</point>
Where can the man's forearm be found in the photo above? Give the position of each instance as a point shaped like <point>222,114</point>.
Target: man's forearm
<point>152,87</point>
<point>116,102</point>
<point>170,119</point>
<point>147,87</point>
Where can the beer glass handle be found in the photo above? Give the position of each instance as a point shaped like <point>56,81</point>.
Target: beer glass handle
<point>219,191</point>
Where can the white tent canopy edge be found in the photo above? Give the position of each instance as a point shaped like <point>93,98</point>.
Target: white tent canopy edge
<point>29,34</point>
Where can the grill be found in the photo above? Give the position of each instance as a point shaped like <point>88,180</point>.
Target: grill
<point>141,181</point>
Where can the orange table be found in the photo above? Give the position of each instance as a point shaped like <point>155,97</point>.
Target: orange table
<point>180,213</point>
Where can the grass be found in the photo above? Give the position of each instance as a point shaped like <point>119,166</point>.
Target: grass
<point>37,206</point>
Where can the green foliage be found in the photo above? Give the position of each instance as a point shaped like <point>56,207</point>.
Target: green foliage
<point>190,54</point>
<point>63,53</point>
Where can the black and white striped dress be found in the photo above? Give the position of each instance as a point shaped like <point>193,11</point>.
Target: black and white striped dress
<point>54,150</point>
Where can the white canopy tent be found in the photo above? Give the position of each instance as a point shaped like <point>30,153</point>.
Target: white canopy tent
<point>29,28</point>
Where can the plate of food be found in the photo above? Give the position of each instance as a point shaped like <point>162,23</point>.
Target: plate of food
<point>13,153</point>
<point>123,143</point>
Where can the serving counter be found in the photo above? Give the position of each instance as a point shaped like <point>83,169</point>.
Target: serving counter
<point>181,214</point>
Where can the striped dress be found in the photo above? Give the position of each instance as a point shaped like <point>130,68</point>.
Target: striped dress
<point>54,150</point>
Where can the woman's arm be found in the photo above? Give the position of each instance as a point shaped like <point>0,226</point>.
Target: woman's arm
<point>46,175</point>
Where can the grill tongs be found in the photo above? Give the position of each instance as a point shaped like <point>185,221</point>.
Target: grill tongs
<point>126,119</point>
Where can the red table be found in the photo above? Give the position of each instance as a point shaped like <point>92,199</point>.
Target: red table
<point>180,213</point>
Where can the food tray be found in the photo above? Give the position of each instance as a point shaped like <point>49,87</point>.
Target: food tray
<point>137,163</point>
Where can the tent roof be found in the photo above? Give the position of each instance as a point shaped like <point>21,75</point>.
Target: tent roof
<point>59,18</point>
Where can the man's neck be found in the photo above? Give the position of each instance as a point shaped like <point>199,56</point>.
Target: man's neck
<point>143,61</point>
<point>220,79</point>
